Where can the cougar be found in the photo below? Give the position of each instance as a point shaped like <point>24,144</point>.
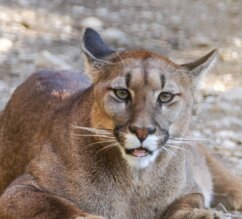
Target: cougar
<point>112,142</point>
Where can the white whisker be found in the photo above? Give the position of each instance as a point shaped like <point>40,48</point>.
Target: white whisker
<point>108,147</point>
<point>187,138</point>
<point>165,151</point>
<point>169,151</point>
<point>123,63</point>
<point>102,136</point>
<point>93,130</point>
<point>101,142</point>
<point>177,147</point>
<point>174,142</point>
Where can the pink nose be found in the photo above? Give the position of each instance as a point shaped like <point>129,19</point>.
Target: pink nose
<point>142,133</point>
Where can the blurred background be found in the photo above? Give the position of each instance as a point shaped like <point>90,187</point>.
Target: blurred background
<point>37,34</point>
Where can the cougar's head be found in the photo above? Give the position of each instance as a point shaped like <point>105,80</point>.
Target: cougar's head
<point>143,98</point>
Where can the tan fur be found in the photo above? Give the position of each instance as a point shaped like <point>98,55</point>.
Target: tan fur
<point>54,166</point>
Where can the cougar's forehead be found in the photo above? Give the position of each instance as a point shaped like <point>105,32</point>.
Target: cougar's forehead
<point>148,72</point>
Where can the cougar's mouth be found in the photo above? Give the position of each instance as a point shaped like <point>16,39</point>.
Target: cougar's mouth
<point>138,152</point>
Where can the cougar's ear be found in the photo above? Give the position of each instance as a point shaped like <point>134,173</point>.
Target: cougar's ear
<point>200,67</point>
<point>96,52</point>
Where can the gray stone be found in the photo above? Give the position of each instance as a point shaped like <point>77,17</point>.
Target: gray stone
<point>3,86</point>
<point>115,35</point>
<point>201,40</point>
<point>5,44</point>
<point>234,94</point>
<point>46,59</point>
<point>92,22</point>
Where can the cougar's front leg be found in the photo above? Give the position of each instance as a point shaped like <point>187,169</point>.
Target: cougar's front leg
<point>189,207</point>
<point>24,199</point>
<point>227,187</point>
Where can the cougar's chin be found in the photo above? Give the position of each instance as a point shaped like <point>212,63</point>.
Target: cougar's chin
<point>140,155</point>
<point>139,158</point>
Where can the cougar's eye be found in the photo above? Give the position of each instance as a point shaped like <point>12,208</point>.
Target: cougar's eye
<point>165,97</point>
<point>122,94</point>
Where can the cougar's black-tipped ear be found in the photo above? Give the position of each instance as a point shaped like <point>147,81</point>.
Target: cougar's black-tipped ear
<point>201,65</point>
<point>96,53</point>
<point>93,45</point>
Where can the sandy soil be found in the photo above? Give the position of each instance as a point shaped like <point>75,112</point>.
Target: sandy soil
<point>46,34</point>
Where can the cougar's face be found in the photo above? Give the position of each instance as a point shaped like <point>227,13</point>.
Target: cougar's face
<point>145,102</point>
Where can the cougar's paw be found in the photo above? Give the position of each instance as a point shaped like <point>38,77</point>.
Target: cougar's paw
<point>204,214</point>
<point>235,200</point>
<point>232,200</point>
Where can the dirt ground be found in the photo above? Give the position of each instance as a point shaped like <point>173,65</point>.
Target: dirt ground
<point>38,34</point>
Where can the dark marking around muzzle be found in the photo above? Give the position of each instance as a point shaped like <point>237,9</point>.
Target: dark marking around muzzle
<point>166,136</point>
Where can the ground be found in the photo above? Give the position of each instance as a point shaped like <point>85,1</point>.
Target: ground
<point>46,34</point>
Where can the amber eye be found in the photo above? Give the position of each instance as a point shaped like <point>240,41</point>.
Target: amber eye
<point>165,97</point>
<point>122,94</point>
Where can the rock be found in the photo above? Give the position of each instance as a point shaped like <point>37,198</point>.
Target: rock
<point>234,94</point>
<point>116,36</point>
<point>48,60</point>
<point>3,86</point>
<point>231,121</point>
<point>92,22</point>
<point>102,12</point>
<point>229,135</point>
<point>4,99</point>
<point>226,106</point>
<point>24,3</point>
<point>228,144</point>
<point>237,42</point>
<point>175,21</point>
<point>146,14</point>
<point>5,44</point>
<point>4,94</point>
<point>78,9</point>
<point>230,54</point>
<point>201,41</point>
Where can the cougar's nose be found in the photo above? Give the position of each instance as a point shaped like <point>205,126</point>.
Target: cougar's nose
<point>142,133</point>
